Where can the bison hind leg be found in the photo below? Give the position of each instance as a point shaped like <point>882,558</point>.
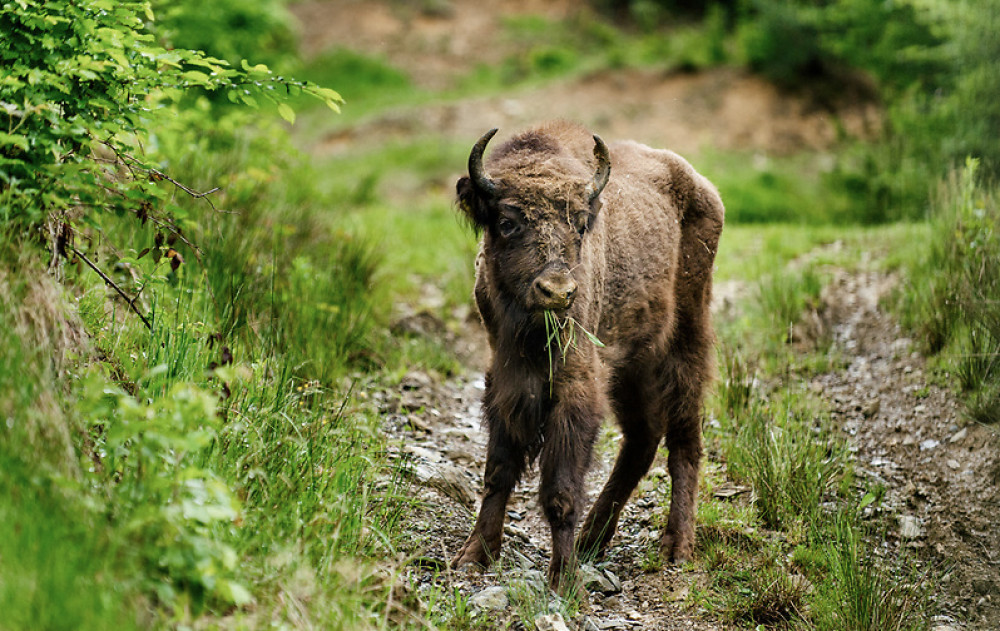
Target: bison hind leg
<point>638,449</point>
<point>683,442</point>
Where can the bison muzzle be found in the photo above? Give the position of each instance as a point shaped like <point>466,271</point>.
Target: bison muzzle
<point>620,241</point>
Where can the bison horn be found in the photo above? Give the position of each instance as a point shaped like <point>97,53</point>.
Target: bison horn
<point>480,180</point>
<point>603,169</point>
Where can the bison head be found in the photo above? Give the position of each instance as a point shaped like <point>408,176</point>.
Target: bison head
<point>535,214</point>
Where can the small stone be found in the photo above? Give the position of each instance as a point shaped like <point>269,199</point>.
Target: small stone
<point>448,479</point>
<point>551,622</point>
<point>597,581</point>
<point>677,594</point>
<point>615,583</point>
<point>520,533</point>
<point>909,527</point>
<point>929,444</point>
<point>953,464</point>
<point>872,407</point>
<point>909,439</point>
<point>457,454</point>
<point>728,490</point>
<point>521,561</point>
<point>920,409</point>
<point>490,599</point>
<point>530,581</point>
<point>983,586</point>
<point>589,625</point>
<point>958,436</point>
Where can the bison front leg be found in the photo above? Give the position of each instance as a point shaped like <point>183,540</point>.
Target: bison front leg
<point>563,463</point>
<point>505,460</point>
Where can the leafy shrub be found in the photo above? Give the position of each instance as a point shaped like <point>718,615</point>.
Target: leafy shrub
<point>161,495</point>
<point>229,29</point>
<point>791,42</point>
<point>82,86</point>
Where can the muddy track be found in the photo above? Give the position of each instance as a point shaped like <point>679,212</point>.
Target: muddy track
<point>941,473</point>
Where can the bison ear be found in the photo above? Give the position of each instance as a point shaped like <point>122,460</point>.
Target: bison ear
<point>472,205</point>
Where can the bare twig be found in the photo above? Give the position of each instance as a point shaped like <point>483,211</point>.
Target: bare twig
<point>113,285</point>
<point>177,233</point>
<point>132,164</point>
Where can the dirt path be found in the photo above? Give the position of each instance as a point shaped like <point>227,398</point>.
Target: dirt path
<point>941,474</point>
<point>438,423</point>
<point>722,108</point>
<point>941,478</point>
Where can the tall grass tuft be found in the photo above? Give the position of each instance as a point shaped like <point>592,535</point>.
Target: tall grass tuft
<point>873,594</point>
<point>773,447</point>
<point>952,299</point>
<point>785,295</point>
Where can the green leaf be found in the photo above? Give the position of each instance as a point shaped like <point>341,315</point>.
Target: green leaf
<point>866,500</point>
<point>195,76</point>
<point>593,338</point>
<point>286,112</point>
<point>249,100</point>
<point>234,592</point>
<point>16,140</point>
<point>259,68</point>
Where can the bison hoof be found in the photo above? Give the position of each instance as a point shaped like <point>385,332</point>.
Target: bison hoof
<point>678,548</point>
<point>474,553</point>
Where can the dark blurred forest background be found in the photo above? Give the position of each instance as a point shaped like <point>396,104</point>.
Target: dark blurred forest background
<point>214,217</point>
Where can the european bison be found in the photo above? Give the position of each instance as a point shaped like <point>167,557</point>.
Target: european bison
<point>619,241</point>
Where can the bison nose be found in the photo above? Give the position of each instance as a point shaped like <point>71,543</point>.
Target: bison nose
<point>555,292</point>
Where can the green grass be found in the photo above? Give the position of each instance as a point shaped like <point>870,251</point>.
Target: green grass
<point>794,552</point>
<point>59,568</point>
<point>951,303</point>
<point>220,459</point>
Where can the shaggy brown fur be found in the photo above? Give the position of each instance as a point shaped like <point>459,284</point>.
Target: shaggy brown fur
<point>634,266</point>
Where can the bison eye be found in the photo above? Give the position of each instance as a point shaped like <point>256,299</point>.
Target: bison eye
<point>507,227</point>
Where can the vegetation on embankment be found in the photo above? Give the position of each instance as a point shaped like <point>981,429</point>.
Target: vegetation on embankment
<point>221,465</point>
